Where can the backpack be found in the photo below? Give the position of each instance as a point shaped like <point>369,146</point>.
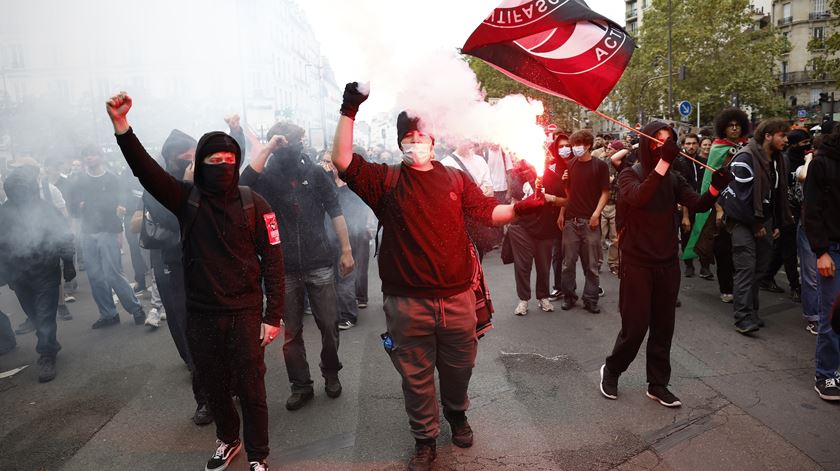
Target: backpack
<point>153,234</point>
<point>483,304</point>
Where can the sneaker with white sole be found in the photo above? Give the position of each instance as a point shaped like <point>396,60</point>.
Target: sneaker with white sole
<point>225,453</point>
<point>828,389</point>
<point>153,318</point>
<point>726,298</point>
<point>662,395</point>
<point>346,325</point>
<point>609,383</point>
<point>521,308</point>
<point>546,305</point>
<point>69,298</point>
<point>257,466</point>
<point>812,328</point>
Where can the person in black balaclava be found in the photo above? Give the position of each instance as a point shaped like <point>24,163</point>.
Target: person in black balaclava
<point>231,249</point>
<point>650,271</point>
<point>178,153</point>
<point>302,194</point>
<point>34,239</point>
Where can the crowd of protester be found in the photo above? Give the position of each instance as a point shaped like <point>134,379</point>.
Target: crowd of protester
<point>734,202</point>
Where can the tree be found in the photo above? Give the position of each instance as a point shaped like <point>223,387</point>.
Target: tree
<point>498,85</point>
<point>725,53</point>
<point>825,61</point>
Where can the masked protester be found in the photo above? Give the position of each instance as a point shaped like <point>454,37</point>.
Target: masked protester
<point>35,239</point>
<point>426,268</point>
<point>302,194</point>
<point>231,249</point>
<point>650,271</point>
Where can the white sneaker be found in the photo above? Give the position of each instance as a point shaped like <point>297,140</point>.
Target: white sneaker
<point>69,298</point>
<point>546,305</point>
<point>727,298</point>
<point>521,308</point>
<point>153,318</point>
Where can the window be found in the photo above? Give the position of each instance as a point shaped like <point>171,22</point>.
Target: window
<point>784,70</point>
<point>819,6</point>
<point>815,95</point>
<point>819,33</point>
<point>631,27</point>
<point>786,12</point>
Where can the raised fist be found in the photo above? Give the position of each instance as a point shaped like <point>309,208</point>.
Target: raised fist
<point>277,141</point>
<point>232,121</point>
<point>353,98</point>
<point>118,106</point>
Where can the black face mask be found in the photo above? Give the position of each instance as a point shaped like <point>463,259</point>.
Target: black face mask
<point>218,178</point>
<point>179,167</point>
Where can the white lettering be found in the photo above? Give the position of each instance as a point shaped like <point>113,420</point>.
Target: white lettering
<point>600,53</point>
<point>610,43</point>
<point>529,11</point>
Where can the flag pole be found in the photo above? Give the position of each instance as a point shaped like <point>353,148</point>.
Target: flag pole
<point>627,126</point>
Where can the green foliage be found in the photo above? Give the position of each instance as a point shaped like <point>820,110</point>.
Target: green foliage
<point>725,54</point>
<point>825,59</point>
<point>498,85</point>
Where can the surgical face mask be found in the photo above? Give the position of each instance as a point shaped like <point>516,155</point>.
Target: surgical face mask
<point>417,154</point>
<point>579,151</point>
<point>565,152</point>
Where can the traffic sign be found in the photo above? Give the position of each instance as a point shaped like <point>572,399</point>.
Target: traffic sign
<point>801,113</point>
<point>801,119</point>
<point>551,128</point>
<point>685,108</point>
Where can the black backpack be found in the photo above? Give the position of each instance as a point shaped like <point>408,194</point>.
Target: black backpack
<point>154,233</point>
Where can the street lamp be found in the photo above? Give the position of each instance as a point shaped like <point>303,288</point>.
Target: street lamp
<point>670,69</point>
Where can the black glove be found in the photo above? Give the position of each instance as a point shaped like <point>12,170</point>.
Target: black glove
<point>670,151</point>
<point>721,179</point>
<point>530,205</point>
<point>69,271</point>
<point>352,99</point>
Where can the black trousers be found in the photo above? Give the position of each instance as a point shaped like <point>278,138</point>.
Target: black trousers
<point>226,349</point>
<point>557,262</point>
<point>647,300</point>
<point>360,246</point>
<point>723,261</point>
<point>529,251</point>
<point>170,283</point>
<point>784,253</point>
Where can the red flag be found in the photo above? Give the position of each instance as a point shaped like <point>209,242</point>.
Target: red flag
<point>558,46</point>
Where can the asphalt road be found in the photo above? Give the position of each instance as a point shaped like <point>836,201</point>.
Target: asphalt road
<point>122,398</point>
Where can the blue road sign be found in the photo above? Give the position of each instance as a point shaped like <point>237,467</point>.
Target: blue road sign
<point>685,108</point>
<point>801,114</point>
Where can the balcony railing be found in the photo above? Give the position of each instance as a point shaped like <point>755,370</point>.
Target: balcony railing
<point>785,21</point>
<point>819,15</point>
<point>801,76</point>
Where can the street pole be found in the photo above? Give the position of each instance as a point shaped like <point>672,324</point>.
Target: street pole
<point>670,69</point>
<point>698,115</point>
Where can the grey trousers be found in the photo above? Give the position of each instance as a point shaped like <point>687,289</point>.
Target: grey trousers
<point>579,240</point>
<point>528,251</point>
<point>320,284</point>
<point>431,333</point>
<point>750,258</point>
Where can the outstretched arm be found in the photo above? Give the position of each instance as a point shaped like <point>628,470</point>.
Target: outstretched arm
<point>342,152</point>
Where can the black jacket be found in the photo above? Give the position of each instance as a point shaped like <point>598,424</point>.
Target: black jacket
<point>822,199</point>
<point>224,264</point>
<point>648,237</point>
<point>301,193</point>
<point>95,201</point>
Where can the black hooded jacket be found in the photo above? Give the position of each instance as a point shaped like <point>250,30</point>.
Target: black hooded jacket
<point>649,237</point>
<point>821,213</point>
<point>34,236</point>
<point>224,264</point>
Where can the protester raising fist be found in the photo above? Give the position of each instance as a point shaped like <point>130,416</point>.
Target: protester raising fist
<point>117,107</point>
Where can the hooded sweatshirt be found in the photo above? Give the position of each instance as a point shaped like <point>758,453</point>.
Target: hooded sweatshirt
<point>224,264</point>
<point>34,236</point>
<point>822,198</point>
<point>649,237</point>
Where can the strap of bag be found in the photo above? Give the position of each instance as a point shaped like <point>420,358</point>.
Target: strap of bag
<point>392,174</point>
<point>463,167</point>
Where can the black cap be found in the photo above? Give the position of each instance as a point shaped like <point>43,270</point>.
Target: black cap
<point>407,124</point>
<point>217,141</point>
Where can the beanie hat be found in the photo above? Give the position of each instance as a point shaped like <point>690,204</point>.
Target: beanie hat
<point>405,125</point>
<point>617,145</point>
<point>176,144</point>
<point>795,136</point>
<point>217,141</point>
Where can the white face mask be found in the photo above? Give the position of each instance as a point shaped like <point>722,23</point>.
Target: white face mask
<point>579,151</point>
<point>565,152</point>
<point>417,154</point>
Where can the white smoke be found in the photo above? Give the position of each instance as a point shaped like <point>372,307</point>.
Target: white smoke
<point>408,53</point>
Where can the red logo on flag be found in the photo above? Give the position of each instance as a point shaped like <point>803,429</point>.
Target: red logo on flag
<point>271,228</point>
<point>557,46</point>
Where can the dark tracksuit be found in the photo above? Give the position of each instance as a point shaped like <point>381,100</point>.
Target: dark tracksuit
<point>650,271</point>
<point>34,239</point>
<point>225,265</point>
<point>426,270</point>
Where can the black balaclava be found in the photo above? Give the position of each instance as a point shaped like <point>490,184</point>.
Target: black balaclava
<point>288,161</point>
<point>176,144</point>
<point>649,158</point>
<point>217,179</point>
<point>795,152</point>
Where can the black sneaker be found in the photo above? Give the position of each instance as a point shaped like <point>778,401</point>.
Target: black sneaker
<point>202,415</point>
<point>771,287</point>
<point>139,290</point>
<point>102,322</point>
<point>257,466</point>
<point>333,387</point>
<point>601,292</point>
<point>298,400</point>
<point>25,327</point>
<point>224,454</point>
<point>568,303</point>
<point>462,434</point>
<point>361,304</point>
<point>425,453</point>
<point>796,295</point>
<point>706,274</point>
<point>140,318</point>
<point>346,325</point>
<point>609,383</point>
<point>593,308</point>
<point>555,295</point>
<point>828,389</point>
<point>64,313</point>
<point>46,368</point>
<point>746,326</point>
<point>664,396</point>
<point>689,271</point>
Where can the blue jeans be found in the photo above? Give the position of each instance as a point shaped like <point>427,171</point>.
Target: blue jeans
<point>320,284</point>
<point>808,277</point>
<point>579,240</point>
<point>103,264</point>
<point>828,342</point>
